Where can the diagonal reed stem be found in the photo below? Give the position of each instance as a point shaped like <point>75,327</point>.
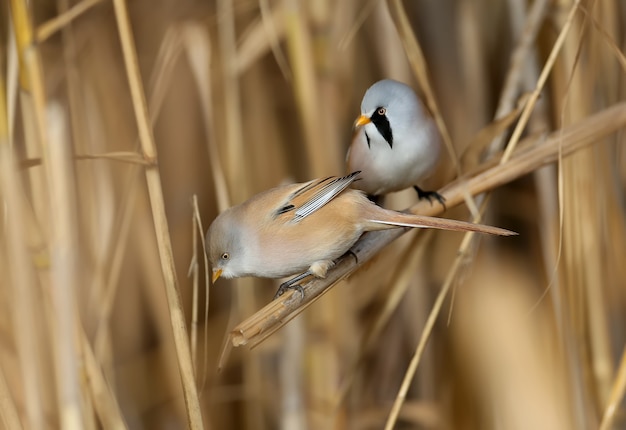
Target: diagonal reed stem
<point>157,203</point>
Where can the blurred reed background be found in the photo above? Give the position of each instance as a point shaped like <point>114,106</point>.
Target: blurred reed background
<point>114,114</point>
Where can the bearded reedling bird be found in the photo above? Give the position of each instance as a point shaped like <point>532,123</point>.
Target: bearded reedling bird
<point>396,143</point>
<point>304,228</point>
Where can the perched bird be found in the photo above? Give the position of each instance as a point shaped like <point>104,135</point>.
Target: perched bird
<point>304,228</point>
<point>396,143</point>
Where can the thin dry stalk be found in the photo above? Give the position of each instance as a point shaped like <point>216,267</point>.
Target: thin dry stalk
<point>47,29</point>
<point>522,56</point>
<point>543,77</point>
<point>530,157</point>
<point>23,293</point>
<point>198,229</point>
<point>159,81</point>
<point>264,35</point>
<point>116,259</point>
<point>207,268</point>
<point>616,397</point>
<point>462,253</point>
<point>104,400</point>
<point>64,264</point>
<point>8,411</point>
<point>198,49</point>
<point>237,172</point>
<point>418,63</point>
<point>400,283</point>
<point>322,157</point>
<point>235,154</point>
<point>194,274</point>
<point>63,244</point>
<point>155,191</point>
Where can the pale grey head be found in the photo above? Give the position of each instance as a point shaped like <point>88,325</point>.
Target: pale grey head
<point>393,109</point>
<point>226,247</point>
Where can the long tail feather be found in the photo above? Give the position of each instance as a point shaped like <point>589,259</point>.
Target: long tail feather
<point>391,218</point>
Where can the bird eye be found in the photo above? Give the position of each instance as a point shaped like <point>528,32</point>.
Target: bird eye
<point>381,111</point>
<point>225,256</point>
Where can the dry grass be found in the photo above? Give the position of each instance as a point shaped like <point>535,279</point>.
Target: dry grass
<point>124,126</point>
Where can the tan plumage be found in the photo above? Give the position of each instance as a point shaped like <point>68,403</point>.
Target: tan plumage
<point>305,228</point>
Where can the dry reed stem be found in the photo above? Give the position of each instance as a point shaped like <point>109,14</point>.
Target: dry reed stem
<point>471,154</point>
<point>418,63</point>
<point>123,223</point>
<point>237,170</point>
<point>234,150</point>
<point>49,28</point>
<point>321,157</point>
<point>264,35</point>
<point>616,397</point>
<point>23,301</point>
<point>528,158</point>
<point>521,125</point>
<point>363,13</point>
<point>543,77</point>
<point>155,191</point>
<point>207,270</point>
<point>519,60</point>
<point>62,213</point>
<point>8,411</point>
<point>198,47</point>
<point>430,323</point>
<point>400,283</point>
<point>64,263</point>
<point>22,295</point>
<point>160,78</point>
<point>198,229</point>
<point>194,274</point>
<point>610,41</point>
<point>103,397</point>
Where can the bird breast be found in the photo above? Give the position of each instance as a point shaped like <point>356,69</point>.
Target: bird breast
<point>385,169</point>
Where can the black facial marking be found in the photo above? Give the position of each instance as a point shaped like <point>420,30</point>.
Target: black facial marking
<point>367,138</point>
<point>382,125</point>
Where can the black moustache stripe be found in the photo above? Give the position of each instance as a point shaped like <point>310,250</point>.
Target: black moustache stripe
<point>382,125</point>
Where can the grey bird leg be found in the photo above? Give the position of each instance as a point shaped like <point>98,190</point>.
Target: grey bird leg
<point>430,195</point>
<point>292,284</point>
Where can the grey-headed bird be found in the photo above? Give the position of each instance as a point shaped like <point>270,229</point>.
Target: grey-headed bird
<point>396,142</point>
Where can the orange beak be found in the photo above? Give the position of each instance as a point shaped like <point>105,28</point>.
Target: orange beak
<point>216,274</point>
<point>361,121</point>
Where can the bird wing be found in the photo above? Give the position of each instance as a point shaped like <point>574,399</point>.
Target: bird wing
<point>315,194</point>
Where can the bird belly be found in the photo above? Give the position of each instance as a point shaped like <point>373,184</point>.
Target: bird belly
<point>386,169</point>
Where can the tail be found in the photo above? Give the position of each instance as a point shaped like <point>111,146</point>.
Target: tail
<point>384,219</point>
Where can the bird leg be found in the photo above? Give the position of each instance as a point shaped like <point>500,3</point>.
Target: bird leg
<point>430,195</point>
<point>292,284</point>
<point>356,259</point>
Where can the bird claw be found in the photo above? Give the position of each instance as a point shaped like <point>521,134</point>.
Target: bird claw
<point>430,195</point>
<point>286,286</point>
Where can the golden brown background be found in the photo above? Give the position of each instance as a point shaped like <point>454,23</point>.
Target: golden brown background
<point>114,113</point>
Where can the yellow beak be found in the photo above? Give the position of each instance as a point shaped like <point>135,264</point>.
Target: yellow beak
<point>361,121</point>
<point>216,274</point>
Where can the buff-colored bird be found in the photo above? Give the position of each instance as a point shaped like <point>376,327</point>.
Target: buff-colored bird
<point>304,228</point>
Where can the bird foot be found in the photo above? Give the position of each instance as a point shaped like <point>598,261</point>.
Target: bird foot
<point>286,286</point>
<point>430,195</point>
